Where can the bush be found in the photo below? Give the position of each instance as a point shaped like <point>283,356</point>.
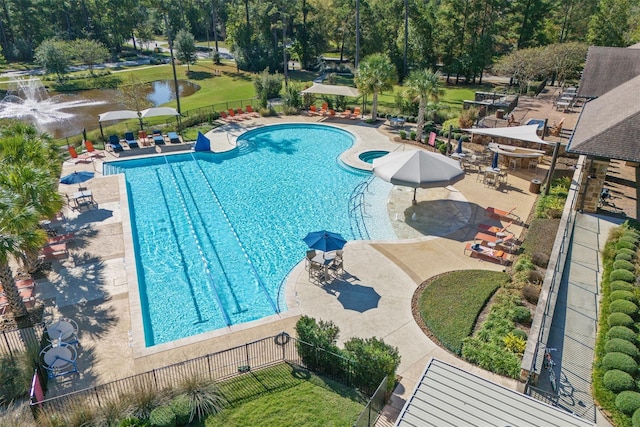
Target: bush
<point>268,112</point>
<point>412,135</point>
<point>317,334</point>
<point>619,345</point>
<point>617,381</point>
<point>531,293</point>
<point>628,402</point>
<point>620,361</point>
<point>374,360</point>
<point>624,244</point>
<point>620,319</point>
<point>514,344</point>
<point>635,419</point>
<point>403,134</point>
<point>623,295</point>
<point>624,256</point>
<point>629,238</point>
<point>622,332</point>
<point>622,306</point>
<point>630,252</point>
<point>540,259</point>
<point>162,416</point>
<point>133,422</point>
<point>623,265</point>
<point>519,333</point>
<point>181,406</point>
<point>620,285</point>
<point>521,315</point>
<point>203,395</point>
<point>624,275</point>
<point>491,357</point>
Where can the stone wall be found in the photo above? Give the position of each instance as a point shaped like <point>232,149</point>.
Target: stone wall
<point>592,183</point>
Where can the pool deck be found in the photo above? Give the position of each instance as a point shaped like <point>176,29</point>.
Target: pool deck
<point>93,286</point>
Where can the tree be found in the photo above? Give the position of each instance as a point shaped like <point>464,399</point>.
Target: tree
<point>424,85</point>
<point>522,66</point>
<point>185,45</point>
<point>375,74</point>
<point>565,59</point>
<point>267,86</point>
<point>610,24</point>
<point>54,56</point>
<point>89,52</point>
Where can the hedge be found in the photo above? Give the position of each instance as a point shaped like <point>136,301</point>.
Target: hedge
<point>624,265</point>
<point>629,238</point>
<point>620,361</point>
<point>620,319</point>
<point>625,256</point>
<point>621,285</point>
<point>624,275</point>
<point>622,306</point>
<point>619,345</point>
<point>623,333</point>
<point>623,244</point>
<point>628,252</point>
<point>623,295</point>
<point>628,402</point>
<point>617,381</point>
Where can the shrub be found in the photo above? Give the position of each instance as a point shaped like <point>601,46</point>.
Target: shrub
<point>203,395</point>
<point>625,275</point>
<point>619,345</point>
<point>268,112</point>
<point>630,252</point>
<point>403,134</point>
<point>317,334</point>
<point>635,419</point>
<point>628,402</point>
<point>521,315</point>
<point>531,293</point>
<point>622,332</point>
<point>514,344</point>
<point>10,387</point>
<point>620,361</point>
<point>540,259</point>
<point>162,416</point>
<point>629,238</point>
<point>631,235</point>
<point>623,295</point>
<point>620,319</point>
<point>623,265</point>
<point>181,406</point>
<point>622,306</point>
<point>133,422</point>
<point>623,244</point>
<point>412,135</point>
<point>620,285</point>
<point>374,360</point>
<point>491,357</point>
<point>536,276</point>
<point>618,381</point>
<point>519,333</point>
<point>144,400</point>
<point>624,256</point>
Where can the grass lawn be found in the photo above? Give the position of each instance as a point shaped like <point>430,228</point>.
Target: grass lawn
<point>450,305</point>
<point>286,396</point>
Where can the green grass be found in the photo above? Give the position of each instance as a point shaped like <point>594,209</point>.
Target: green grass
<point>287,396</point>
<point>540,236</point>
<point>451,303</point>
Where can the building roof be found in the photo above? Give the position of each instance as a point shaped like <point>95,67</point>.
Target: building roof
<point>448,396</point>
<point>607,68</point>
<point>610,124</point>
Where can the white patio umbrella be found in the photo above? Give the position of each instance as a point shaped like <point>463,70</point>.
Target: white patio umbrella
<point>418,169</point>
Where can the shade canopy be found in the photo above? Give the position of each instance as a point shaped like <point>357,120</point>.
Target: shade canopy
<point>325,241</point>
<point>117,115</point>
<point>332,90</point>
<point>77,177</point>
<point>521,133</point>
<point>511,151</point>
<point>159,111</point>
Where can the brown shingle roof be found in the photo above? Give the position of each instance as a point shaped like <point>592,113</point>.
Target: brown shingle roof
<point>607,68</point>
<point>609,126</point>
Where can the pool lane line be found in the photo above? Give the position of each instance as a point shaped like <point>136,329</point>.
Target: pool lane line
<point>239,308</point>
<point>195,237</point>
<point>276,309</point>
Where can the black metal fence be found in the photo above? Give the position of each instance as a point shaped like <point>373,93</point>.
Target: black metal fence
<point>374,406</point>
<point>16,341</point>
<point>217,367</point>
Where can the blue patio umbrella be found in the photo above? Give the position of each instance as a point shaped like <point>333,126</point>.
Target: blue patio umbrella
<point>459,148</point>
<point>324,241</point>
<point>76,177</point>
<point>494,162</point>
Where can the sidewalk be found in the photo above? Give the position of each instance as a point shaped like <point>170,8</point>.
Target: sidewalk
<point>575,320</point>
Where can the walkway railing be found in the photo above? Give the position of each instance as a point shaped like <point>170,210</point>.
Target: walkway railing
<point>357,212</point>
<point>539,332</point>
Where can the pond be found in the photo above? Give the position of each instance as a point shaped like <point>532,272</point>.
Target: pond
<point>66,114</point>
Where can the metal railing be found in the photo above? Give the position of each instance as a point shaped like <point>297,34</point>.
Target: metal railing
<point>540,328</point>
<point>374,406</point>
<point>356,206</point>
<point>15,341</point>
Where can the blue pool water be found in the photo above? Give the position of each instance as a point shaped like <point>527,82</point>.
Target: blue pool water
<point>216,234</point>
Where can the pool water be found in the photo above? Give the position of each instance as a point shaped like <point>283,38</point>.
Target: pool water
<point>370,156</point>
<point>215,235</point>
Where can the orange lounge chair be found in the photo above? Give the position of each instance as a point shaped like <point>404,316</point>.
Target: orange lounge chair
<point>332,113</point>
<point>493,229</point>
<point>91,151</point>
<point>226,118</point>
<point>486,252</point>
<point>25,293</point>
<point>51,252</point>
<point>60,239</point>
<point>507,240</point>
<point>241,113</point>
<point>251,112</point>
<point>313,111</point>
<point>356,113</point>
<point>75,157</point>
<point>233,115</point>
<point>346,114</point>
<point>499,213</point>
<point>324,109</point>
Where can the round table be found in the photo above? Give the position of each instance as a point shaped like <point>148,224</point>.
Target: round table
<point>58,357</point>
<point>61,330</point>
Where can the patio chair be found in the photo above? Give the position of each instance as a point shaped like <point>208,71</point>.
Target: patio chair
<point>233,115</point>
<point>486,252</point>
<point>313,111</point>
<point>225,117</point>
<point>337,264</point>
<point>324,110</point>
<point>114,144</point>
<point>499,213</point>
<point>252,113</point>
<point>54,252</point>
<point>158,139</point>
<point>356,113</point>
<point>55,240</point>
<point>173,138</point>
<point>130,140</point>
<point>75,158</point>
<point>346,114</point>
<point>92,152</point>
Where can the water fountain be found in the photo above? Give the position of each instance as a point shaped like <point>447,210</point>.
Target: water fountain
<point>28,99</point>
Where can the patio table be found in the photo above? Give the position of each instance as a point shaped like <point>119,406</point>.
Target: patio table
<point>321,259</point>
<point>62,330</point>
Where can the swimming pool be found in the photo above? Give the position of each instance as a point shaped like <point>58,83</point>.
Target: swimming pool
<point>216,234</point>
<point>371,155</point>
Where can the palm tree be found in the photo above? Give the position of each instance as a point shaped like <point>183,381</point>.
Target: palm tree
<point>425,86</point>
<point>375,74</point>
<point>19,233</point>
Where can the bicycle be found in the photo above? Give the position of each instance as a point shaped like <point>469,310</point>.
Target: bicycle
<point>549,365</point>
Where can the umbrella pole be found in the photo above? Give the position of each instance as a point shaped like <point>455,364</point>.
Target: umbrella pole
<point>414,202</point>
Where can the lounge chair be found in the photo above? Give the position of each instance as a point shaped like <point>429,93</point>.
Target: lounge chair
<point>324,109</point>
<point>332,113</point>
<point>493,229</point>
<point>250,111</point>
<point>241,113</point>
<point>57,251</point>
<point>114,144</point>
<point>54,240</point>
<point>142,138</point>
<point>486,252</point>
<point>173,138</point>
<point>356,113</point>
<point>158,139</point>
<point>493,238</point>
<point>502,214</point>
<point>313,111</point>
<point>233,115</point>
<point>346,114</point>
<point>75,157</point>
<point>130,140</point>
<point>25,293</point>
<point>91,151</point>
